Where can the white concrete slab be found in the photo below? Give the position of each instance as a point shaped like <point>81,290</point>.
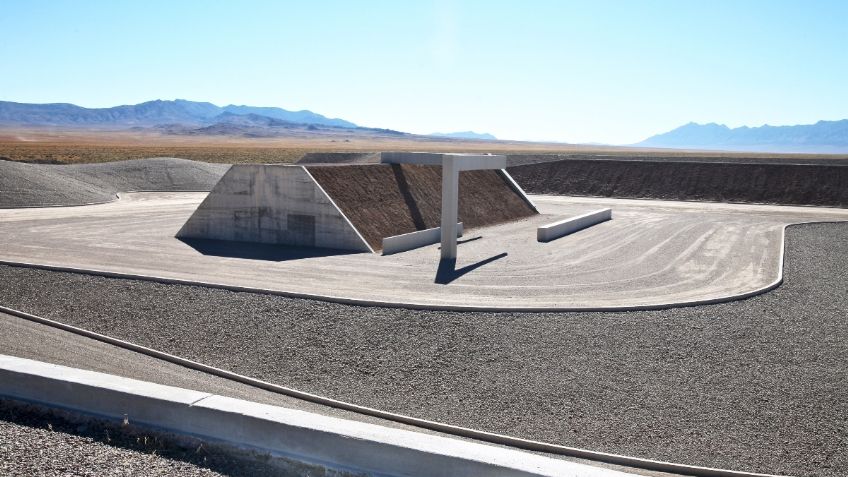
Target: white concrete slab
<point>413,240</point>
<point>569,225</point>
<point>463,161</point>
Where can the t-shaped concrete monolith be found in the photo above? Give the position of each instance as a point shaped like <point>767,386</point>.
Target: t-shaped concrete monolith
<point>452,164</point>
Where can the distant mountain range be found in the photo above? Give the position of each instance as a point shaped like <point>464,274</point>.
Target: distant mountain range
<point>821,137</point>
<point>257,125</point>
<point>466,135</point>
<point>150,113</point>
<point>192,118</point>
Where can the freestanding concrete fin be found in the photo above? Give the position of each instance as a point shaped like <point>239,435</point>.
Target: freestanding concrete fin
<point>548,232</point>
<point>272,204</point>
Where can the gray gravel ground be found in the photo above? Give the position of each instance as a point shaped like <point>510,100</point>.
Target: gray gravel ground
<point>29,185</point>
<point>37,442</point>
<point>27,339</point>
<point>756,385</point>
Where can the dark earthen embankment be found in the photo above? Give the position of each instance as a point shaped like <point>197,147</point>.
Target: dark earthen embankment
<point>789,184</point>
<point>386,200</point>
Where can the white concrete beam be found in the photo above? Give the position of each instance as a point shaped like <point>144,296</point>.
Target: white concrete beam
<point>555,230</point>
<point>412,240</point>
<point>450,206</point>
<point>465,162</point>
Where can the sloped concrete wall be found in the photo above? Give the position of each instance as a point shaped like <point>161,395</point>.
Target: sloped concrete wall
<point>272,204</point>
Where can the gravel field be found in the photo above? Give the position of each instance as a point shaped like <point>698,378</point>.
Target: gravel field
<point>30,340</point>
<point>755,385</point>
<point>31,185</point>
<point>37,442</point>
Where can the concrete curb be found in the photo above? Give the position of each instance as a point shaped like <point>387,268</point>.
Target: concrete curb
<point>483,436</point>
<point>113,199</point>
<point>328,443</point>
<point>412,240</point>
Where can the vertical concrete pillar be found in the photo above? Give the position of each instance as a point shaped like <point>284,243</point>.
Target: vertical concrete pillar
<point>450,206</point>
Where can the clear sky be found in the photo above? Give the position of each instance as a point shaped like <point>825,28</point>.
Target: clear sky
<point>575,71</point>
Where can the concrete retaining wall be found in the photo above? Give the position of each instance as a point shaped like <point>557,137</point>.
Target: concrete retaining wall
<point>555,230</point>
<point>421,238</point>
<point>274,204</point>
<point>322,441</point>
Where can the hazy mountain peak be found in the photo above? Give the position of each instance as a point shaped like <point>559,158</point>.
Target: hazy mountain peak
<point>823,136</point>
<point>149,113</point>
<point>466,135</point>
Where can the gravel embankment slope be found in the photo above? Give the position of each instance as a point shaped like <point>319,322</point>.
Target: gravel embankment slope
<point>702,157</point>
<point>33,185</point>
<point>757,385</point>
<point>764,183</point>
<point>35,442</point>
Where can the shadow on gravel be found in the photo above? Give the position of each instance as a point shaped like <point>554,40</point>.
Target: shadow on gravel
<point>448,272</point>
<point>259,251</point>
<point>460,242</point>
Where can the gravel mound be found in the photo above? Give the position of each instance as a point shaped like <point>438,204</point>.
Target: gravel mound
<point>766,183</point>
<point>35,185</point>
<point>756,385</point>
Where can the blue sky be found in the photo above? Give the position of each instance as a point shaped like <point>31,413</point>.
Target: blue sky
<point>583,71</point>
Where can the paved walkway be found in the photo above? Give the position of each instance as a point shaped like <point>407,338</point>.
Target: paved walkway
<point>651,253</point>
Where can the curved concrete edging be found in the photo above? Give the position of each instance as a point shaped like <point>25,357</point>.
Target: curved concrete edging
<point>484,436</point>
<point>51,206</point>
<point>398,304</point>
<point>117,197</point>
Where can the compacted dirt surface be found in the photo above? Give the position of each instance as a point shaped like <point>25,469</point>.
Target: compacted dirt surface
<point>36,185</point>
<point>754,385</point>
<point>651,253</point>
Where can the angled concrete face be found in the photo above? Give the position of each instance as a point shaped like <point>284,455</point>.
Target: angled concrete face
<point>272,204</point>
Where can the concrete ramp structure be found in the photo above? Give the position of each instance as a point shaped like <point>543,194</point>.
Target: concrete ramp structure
<point>272,204</point>
<point>346,207</point>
